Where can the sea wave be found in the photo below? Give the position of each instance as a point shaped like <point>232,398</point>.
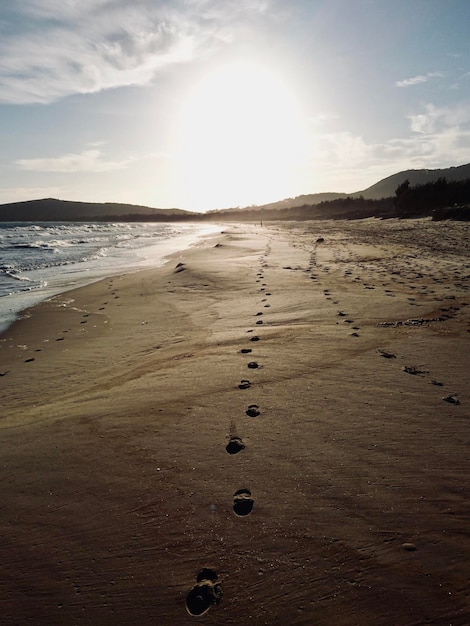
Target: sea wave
<point>15,275</point>
<point>43,259</point>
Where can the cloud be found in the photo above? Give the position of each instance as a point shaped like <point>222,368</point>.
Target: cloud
<point>54,48</point>
<point>435,119</point>
<point>440,138</point>
<point>424,123</point>
<point>87,161</point>
<point>419,79</point>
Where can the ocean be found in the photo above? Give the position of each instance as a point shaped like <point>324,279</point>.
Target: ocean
<point>39,260</point>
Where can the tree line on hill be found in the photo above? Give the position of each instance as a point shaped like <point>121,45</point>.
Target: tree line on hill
<point>441,199</point>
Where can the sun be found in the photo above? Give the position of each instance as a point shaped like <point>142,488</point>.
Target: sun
<point>241,137</point>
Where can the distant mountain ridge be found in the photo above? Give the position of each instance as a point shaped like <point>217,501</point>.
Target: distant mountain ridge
<point>54,210</point>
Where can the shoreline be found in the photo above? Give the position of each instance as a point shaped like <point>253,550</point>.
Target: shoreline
<point>122,396</point>
<point>72,276</point>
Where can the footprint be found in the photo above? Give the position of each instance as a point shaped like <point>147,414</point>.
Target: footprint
<point>204,594</point>
<point>387,355</point>
<point>242,502</point>
<point>259,322</point>
<point>245,350</point>
<point>415,371</point>
<point>253,410</point>
<point>29,360</point>
<point>255,338</point>
<point>235,445</point>
<point>253,365</point>
<point>244,384</point>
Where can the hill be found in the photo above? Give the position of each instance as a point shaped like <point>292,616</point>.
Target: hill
<point>311,198</point>
<point>386,187</point>
<point>53,210</point>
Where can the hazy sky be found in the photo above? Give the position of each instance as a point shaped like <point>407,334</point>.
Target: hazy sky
<point>201,104</point>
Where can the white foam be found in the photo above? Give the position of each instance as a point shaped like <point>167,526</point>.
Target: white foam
<point>149,251</point>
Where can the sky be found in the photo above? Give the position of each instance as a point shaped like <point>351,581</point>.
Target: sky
<point>204,104</point>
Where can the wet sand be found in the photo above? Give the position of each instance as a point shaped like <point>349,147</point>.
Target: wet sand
<point>285,408</point>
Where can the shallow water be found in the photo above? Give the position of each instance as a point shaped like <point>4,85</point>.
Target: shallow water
<point>39,260</point>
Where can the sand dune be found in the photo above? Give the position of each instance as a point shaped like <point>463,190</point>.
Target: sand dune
<point>279,415</point>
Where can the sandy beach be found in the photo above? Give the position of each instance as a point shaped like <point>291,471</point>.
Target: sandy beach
<point>331,357</point>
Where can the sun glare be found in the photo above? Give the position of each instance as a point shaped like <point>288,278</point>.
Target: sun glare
<point>241,138</point>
